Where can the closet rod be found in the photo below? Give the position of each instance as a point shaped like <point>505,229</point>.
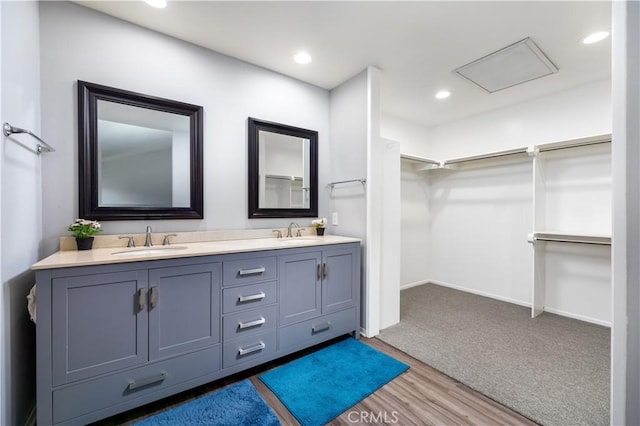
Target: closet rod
<point>361,180</point>
<point>486,156</point>
<point>577,239</point>
<point>8,130</point>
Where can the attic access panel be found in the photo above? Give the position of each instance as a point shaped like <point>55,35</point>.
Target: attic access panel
<point>515,64</point>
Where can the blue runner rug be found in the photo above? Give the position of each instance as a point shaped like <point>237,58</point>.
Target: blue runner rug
<point>321,386</point>
<point>240,404</point>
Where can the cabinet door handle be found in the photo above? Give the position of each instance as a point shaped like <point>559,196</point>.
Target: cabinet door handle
<point>251,297</point>
<point>325,270</point>
<point>245,351</point>
<point>153,297</point>
<point>253,323</point>
<point>243,272</point>
<point>320,327</point>
<point>135,384</point>
<point>319,271</point>
<point>142,298</point>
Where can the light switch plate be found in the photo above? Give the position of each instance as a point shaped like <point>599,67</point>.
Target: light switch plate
<point>334,218</point>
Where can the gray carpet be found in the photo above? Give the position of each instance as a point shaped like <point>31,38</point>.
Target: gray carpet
<point>552,369</point>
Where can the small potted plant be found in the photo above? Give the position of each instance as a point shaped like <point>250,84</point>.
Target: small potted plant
<point>84,230</point>
<point>319,224</point>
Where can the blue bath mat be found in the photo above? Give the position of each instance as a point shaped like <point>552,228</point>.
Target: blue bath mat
<point>321,386</point>
<point>240,404</point>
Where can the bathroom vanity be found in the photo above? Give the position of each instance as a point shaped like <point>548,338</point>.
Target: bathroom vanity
<point>118,328</point>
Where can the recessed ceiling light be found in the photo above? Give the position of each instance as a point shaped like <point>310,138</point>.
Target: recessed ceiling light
<point>160,4</point>
<point>595,37</point>
<point>443,94</point>
<point>302,58</point>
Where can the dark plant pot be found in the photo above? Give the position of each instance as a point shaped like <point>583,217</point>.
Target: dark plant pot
<point>320,231</point>
<point>84,243</point>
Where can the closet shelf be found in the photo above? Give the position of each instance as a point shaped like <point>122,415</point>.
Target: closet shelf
<point>486,156</point>
<point>569,238</point>
<point>420,160</point>
<point>574,143</point>
<point>283,177</point>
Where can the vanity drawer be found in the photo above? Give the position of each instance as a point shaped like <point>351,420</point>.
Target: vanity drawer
<point>317,330</point>
<point>84,398</point>
<point>235,299</point>
<point>248,348</point>
<point>246,323</point>
<point>249,270</point>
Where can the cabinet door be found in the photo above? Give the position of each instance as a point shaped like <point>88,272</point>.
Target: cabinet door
<point>340,273</point>
<point>300,287</point>
<point>184,309</point>
<point>99,324</point>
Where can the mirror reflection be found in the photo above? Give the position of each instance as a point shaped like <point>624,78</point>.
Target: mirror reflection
<point>143,157</point>
<point>283,170</point>
<point>140,156</point>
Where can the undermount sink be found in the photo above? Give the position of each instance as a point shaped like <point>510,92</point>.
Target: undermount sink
<point>296,240</point>
<point>149,250</point>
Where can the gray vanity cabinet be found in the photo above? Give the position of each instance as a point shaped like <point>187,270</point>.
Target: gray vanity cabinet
<point>319,295</point>
<point>97,325</point>
<point>300,286</point>
<point>117,336</point>
<point>121,335</point>
<point>184,309</point>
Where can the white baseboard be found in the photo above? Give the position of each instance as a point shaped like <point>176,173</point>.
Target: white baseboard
<point>415,284</point>
<point>578,317</point>
<point>508,300</point>
<point>363,332</point>
<point>481,293</point>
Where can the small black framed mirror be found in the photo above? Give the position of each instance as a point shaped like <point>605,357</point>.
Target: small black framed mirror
<point>283,170</point>
<point>140,157</point>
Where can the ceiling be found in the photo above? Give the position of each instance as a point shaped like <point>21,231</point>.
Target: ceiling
<point>416,44</point>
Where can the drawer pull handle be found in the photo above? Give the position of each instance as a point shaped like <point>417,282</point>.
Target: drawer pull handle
<point>142,299</point>
<point>325,270</point>
<point>245,351</point>
<point>319,271</point>
<point>153,297</point>
<point>322,327</point>
<point>253,323</point>
<point>260,270</point>
<point>135,384</point>
<point>251,297</point>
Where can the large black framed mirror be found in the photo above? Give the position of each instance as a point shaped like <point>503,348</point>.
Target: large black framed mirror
<point>140,156</point>
<point>283,170</point>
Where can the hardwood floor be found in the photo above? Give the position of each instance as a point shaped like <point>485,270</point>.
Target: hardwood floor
<point>421,396</point>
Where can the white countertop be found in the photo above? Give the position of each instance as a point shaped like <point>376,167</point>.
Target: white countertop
<point>103,256</point>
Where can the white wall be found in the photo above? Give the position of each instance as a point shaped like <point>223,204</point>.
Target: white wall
<point>21,214</point>
<point>390,234</point>
<point>414,198</point>
<point>80,44</point>
<point>414,229</point>
<point>625,338</point>
<point>348,144</point>
<point>571,114</point>
<point>480,216</point>
<point>478,221</point>
<point>413,137</point>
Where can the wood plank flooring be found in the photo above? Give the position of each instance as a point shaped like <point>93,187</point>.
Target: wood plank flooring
<point>421,396</point>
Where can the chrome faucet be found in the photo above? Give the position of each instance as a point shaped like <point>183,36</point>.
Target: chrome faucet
<point>147,241</point>
<point>291,225</point>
